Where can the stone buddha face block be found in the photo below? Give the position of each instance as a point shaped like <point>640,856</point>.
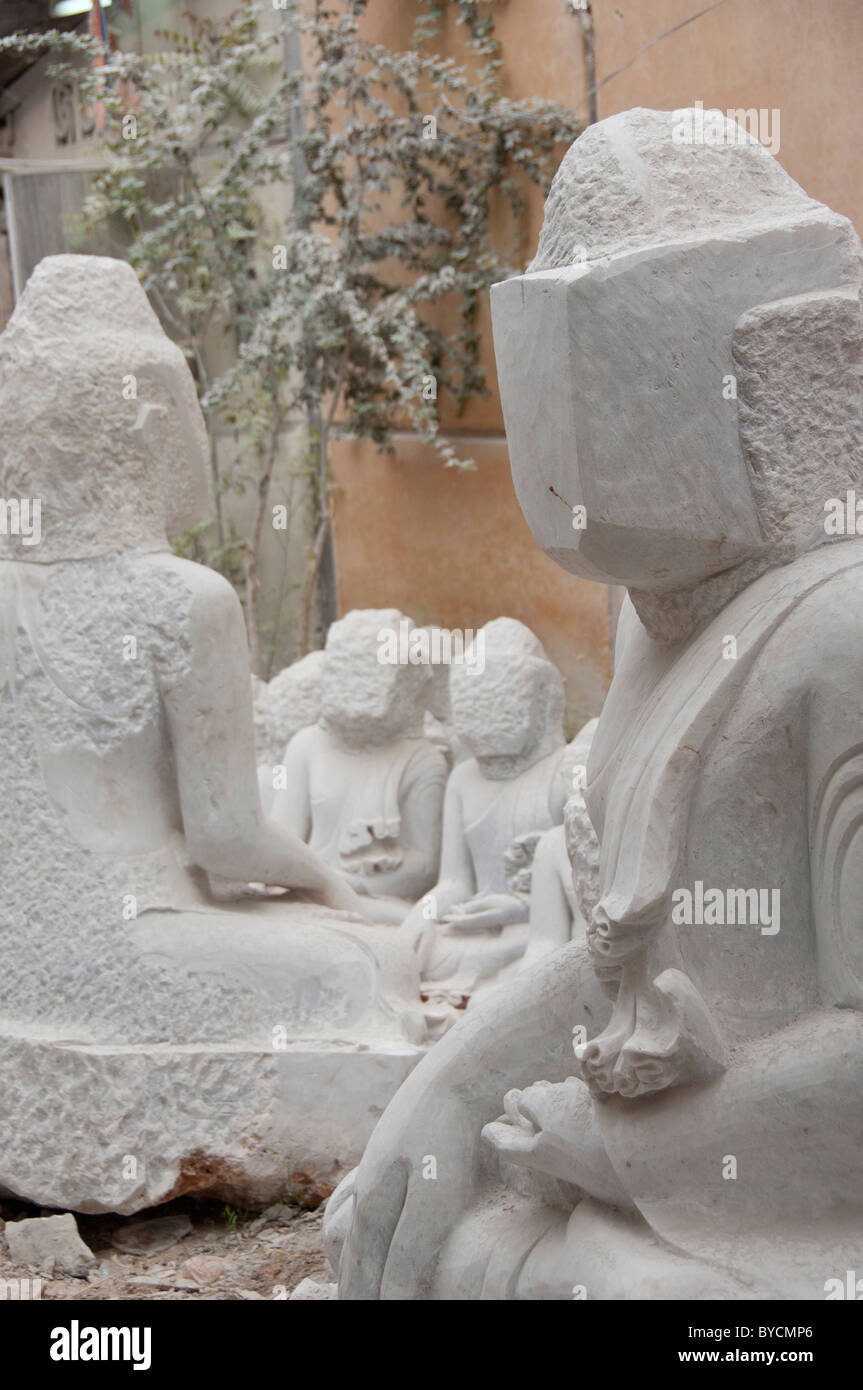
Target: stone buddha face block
<point>101,420</point>
<point>623,351</point>
<point>366,698</point>
<point>506,707</point>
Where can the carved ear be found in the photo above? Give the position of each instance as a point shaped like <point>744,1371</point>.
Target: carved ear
<point>799,368</point>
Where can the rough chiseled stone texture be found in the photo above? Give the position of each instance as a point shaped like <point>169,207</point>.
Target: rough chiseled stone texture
<point>289,702</point>
<point>354,699</point>
<point>518,687</point>
<point>50,1244</point>
<point>798,365</point>
<point>364,786</point>
<point>124,382</point>
<point>627,182</point>
<point>151,1041</point>
<point>582,847</point>
<point>84,965</point>
<point>799,369</point>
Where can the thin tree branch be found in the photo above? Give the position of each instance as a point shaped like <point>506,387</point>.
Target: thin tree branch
<point>591,91</point>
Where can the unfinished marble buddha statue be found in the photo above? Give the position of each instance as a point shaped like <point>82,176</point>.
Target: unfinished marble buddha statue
<point>508,711</point>
<point>684,361</point>
<point>363,785</point>
<point>556,871</point>
<point>152,1042</point>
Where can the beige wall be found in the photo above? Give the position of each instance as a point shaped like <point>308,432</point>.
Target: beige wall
<point>803,59</point>
<point>454,548</point>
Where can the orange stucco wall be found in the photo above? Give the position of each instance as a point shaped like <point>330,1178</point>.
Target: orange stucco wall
<point>452,548</point>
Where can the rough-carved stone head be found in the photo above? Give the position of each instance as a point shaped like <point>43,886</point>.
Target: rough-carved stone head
<point>100,417</point>
<point>508,709</point>
<point>292,701</point>
<point>365,696</point>
<point>683,360</point>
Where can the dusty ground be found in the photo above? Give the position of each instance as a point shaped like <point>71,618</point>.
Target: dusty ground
<point>264,1256</point>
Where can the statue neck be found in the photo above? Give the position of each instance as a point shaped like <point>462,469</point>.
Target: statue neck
<point>672,616</point>
<point>507,766</point>
<point>367,735</point>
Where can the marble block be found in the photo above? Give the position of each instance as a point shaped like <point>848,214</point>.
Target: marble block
<point>154,1039</point>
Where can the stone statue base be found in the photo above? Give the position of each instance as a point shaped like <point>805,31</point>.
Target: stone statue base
<point>99,1125</point>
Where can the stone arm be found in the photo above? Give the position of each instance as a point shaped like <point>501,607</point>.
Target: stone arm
<point>456,882</point>
<point>551,915</point>
<point>777,1141</point>
<point>409,881</point>
<point>401,1219</point>
<point>209,716</point>
<point>291,805</point>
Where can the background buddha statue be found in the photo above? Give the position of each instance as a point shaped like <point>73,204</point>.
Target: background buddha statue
<point>364,786</point>
<point>508,713</point>
<point>556,871</point>
<point>168,1042</point>
<point>695,383</point>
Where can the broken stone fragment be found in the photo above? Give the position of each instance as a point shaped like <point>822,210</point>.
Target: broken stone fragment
<point>310,1289</point>
<point>151,1237</point>
<point>49,1244</point>
<point>205,1269</point>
